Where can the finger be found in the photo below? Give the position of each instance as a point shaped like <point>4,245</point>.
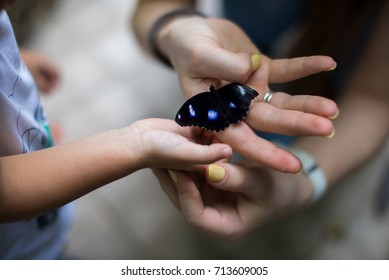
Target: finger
<point>284,70</point>
<point>202,154</point>
<point>220,221</point>
<point>190,201</point>
<point>229,177</point>
<point>215,64</point>
<point>305,103</point>
<point>228,66</point>
<point>235,178</point>
<point>265,117</point>
<point>243,140</point>
<point>167,185</point>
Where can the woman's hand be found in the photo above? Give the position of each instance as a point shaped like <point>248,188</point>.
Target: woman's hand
<point>233,199</point>
<point>217,51</point>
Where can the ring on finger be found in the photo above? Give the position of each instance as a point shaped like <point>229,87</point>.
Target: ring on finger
<point>267,97</point>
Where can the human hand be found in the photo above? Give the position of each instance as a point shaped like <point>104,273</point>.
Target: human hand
<point>164,144</point>
<point>234,199</point>
<point>217,51</point>
<point>45,74</point>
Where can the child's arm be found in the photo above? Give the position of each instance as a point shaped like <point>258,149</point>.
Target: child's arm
<point>36,182</point>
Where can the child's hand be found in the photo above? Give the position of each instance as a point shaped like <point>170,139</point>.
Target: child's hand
<point>163,143</point>
<point>45,74</point>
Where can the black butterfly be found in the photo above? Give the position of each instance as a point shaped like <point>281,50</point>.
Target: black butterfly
<point>217,109</point>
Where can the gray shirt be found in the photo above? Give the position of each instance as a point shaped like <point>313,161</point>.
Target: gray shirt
<point>24,128</point>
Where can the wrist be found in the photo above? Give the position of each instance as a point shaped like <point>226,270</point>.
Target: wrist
<point>305,190</point>
<point>131,146</point>
<point>160,26</point>
<point>313,173</point>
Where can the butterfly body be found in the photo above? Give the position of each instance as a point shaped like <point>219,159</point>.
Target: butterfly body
<point>217,109</point>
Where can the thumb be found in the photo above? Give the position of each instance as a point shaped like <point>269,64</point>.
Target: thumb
<point>220,65</point>
<point>225,65</point>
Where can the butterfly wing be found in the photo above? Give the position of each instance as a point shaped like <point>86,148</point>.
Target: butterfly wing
<point>236,99</point>
<point>203,110</point>
<point>216,110</point>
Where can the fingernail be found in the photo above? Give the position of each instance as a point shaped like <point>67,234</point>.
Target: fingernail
<point>256,61</point>
<point>216,173</point>
<point>173,175</point>
<point>331,135</point>
<point>335,116</point>
<point>227,152</point>
<point>300,172</point>
<point>333,67</point>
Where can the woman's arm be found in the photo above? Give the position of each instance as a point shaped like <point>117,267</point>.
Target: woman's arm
<point>148,11</point>
<point>363,124</point>
<point>237,198</point>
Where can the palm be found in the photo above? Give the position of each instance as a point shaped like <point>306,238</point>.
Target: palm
<point>165,144</point>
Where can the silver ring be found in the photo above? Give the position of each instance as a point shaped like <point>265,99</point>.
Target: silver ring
<point>267,97</point>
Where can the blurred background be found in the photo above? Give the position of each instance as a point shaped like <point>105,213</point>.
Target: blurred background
<point>107,82</point>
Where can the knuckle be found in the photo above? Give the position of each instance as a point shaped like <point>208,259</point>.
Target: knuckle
<point>242,71</point>
<point>195,57</point>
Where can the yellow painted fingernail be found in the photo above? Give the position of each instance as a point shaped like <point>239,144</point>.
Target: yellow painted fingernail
<point>173,176</point>
<point>216,173</point>
<point>335,116</point>
<point>256,61</point>
<point>331,135</point>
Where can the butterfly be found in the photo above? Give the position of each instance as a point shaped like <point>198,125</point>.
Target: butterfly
<point>216,109</point>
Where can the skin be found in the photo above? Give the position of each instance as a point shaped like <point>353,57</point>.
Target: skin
<point>40,181</point>
<point>254,192</point>
<point>36,182</point>
<point>206,54</point>
<point>44,72</point>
